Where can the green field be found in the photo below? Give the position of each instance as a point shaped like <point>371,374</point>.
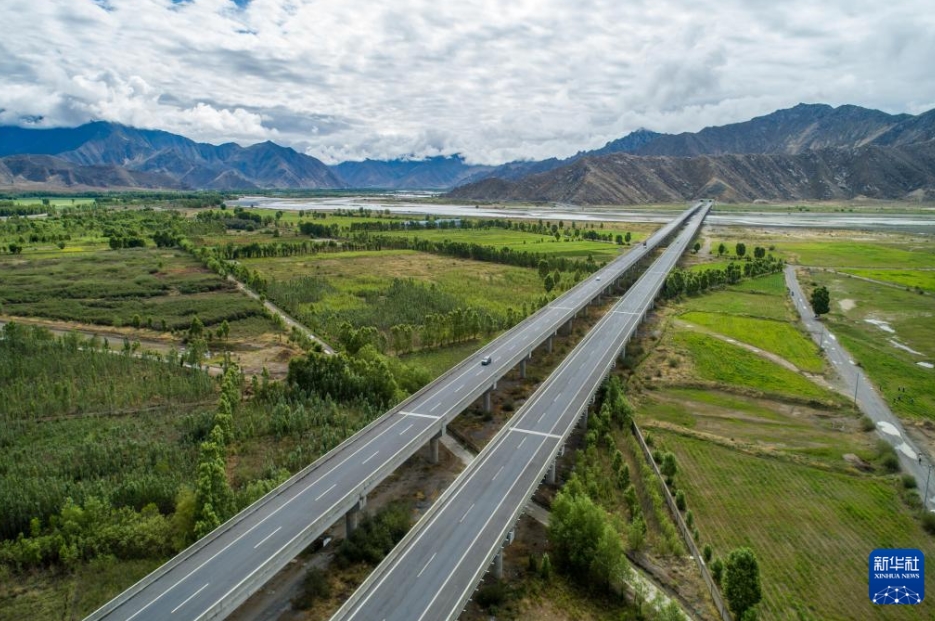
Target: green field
<point>109,287</point>
<point>712,265</point>
<point>730,365</point>
<point>519,241</point>
<point>921,279</point>
<point>778,337</point>
<point>740,303</point>
<point>770,284</point>
<point>812,530</point>
<point>834,253</point>
<point>765,426</point>
<point>55,202</point>
<point>328,289</point>
<point>909,315</point>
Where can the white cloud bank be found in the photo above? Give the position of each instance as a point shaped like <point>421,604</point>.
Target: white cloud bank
<point>494,81</point>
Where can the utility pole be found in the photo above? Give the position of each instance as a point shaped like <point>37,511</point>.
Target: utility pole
<point>925,497</point>
<point>856,386</point>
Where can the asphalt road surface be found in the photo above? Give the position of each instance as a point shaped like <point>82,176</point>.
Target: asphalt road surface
<point>211,578</point>
<point>861,390</point>
<point>431,574</point>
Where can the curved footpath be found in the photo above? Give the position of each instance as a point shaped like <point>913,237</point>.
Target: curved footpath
<point>859,386</point>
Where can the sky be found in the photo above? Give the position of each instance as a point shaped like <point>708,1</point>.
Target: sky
<point>492,80</point>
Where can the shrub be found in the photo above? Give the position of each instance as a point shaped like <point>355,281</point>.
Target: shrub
<point>545,568</point>
<point>680,500</point>
<point>315,586</point>
<point>490,596</point>
<point>909,482</point>
<point>890,463</point>
<point>928,522</point>
<point>706,553</point>
<point>717,570</point>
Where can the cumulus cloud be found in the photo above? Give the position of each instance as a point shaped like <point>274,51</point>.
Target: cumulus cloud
<point>493,81</point>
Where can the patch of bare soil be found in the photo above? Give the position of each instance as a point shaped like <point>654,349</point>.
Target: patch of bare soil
<point>267,351</point>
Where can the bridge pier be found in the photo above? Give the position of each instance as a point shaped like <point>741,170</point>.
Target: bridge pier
<point>550,476</point>
<point>498,565</point>
<point>352,517</point>
<point>522,368</point>
<point>549,342</point>
<point>433,446</point>
<point>584,421</point>
<point>488,406</point>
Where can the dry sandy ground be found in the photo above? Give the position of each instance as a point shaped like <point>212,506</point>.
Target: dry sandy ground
<point>267,351</point>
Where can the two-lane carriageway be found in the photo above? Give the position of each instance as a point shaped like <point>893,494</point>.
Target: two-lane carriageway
<point>215,575</point>
<point>432,572</point>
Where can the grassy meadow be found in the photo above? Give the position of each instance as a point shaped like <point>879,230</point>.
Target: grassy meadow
<point>909,321</point>
<point>863,254</point>
<point>327,289</point>
<point>721,363</point>
<point>811,529</point>
<point>910,279</point>
<point>769,458</point>
<point>521,241</point>
<point>780,338</point>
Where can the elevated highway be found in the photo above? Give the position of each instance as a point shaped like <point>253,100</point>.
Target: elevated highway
<point>215,575</point>
<point>432,572</point>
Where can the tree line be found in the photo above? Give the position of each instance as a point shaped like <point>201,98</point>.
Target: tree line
<point>693,282</point>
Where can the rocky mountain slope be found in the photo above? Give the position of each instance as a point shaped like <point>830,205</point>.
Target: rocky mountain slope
<point>45,172</point>
<point>185,162</point>
<point>805,127</point>
<point>434,173</point>
<point>835,148</point>
<point>871,171</point>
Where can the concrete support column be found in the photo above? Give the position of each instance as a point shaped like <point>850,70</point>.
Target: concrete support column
<point>550,477</point>
<point>549,341</point>
<point>487,405</point>
<point>522,368</point>
<point>352,517</point>
<point>584,422</point>
<point>433,449</point>
<point>498,565</point>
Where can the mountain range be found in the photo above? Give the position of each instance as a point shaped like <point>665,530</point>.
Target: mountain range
<point>808,151</point>
<point>97,149</point>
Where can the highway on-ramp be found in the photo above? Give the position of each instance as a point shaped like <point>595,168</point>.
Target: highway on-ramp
<point>432,572</point>
<point>212,577</point>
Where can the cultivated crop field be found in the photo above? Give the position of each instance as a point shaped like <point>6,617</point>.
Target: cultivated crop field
<point>812,529</point>
<point>108,287</point>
